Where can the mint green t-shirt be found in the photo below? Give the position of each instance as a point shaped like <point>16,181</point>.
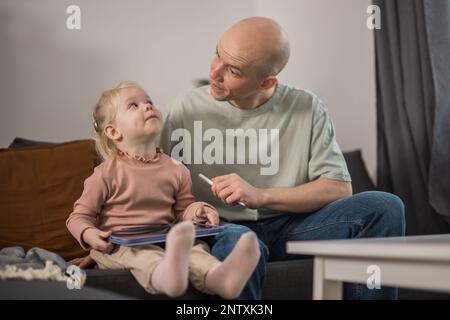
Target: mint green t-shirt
<point>288,141</point>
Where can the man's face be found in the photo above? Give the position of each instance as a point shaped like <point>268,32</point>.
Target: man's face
<point>233,76</point>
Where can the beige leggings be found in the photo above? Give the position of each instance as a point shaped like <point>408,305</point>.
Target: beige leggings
<point>142,260</point>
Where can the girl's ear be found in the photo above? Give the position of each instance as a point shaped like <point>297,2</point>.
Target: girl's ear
<point>112,133</point>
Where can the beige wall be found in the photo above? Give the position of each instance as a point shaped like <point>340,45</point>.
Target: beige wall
<point>50,76</point>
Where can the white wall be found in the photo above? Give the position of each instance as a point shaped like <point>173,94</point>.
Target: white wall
<point>50,76</point>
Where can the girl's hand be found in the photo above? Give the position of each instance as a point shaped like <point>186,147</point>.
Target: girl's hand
<point>95,238</point>
<point>201,214</point>
<point>209,216</point>
<point>84,262</point>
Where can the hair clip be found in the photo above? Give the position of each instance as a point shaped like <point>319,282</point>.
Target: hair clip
<point>94,123</point>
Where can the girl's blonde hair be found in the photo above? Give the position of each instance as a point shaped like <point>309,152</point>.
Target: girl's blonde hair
<point>104,113</point>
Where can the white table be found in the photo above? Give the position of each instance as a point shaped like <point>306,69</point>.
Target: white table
<point>419,262</point>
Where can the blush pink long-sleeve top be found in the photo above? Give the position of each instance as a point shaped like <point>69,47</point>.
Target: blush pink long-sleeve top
<point>124,192</point>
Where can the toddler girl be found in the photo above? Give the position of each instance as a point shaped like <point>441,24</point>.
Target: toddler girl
<point>137,185</point>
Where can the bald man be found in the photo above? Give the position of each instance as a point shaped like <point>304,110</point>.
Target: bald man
<point>272,154</point>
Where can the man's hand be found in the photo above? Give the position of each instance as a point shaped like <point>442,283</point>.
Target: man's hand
<point>95,238</point>
<point>202,214</point>
<point>231,188</point>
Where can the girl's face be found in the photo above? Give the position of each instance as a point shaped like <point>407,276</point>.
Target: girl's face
<point>137,120</point>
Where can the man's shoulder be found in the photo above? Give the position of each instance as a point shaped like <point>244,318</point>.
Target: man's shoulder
<point>298,92</point>
<point>311,101</point>
<point>304,97</point>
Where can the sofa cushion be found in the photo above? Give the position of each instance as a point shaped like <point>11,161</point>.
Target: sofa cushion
<point>290,279</point>
<point>360,177</point>
<point>26,143</point>
<point>122,282</point>
<point>21,143</point>
<point>50,290</point>
<point>38,188</point>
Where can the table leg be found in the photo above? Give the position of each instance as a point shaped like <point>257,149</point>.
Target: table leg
<point>324,289</point>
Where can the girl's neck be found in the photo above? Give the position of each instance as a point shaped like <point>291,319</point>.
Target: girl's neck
<point>146,150</point>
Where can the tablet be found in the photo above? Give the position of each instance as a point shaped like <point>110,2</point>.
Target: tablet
<point>156,233</point>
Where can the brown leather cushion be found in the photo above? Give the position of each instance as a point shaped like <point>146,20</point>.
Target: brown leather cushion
<point>38,187</point>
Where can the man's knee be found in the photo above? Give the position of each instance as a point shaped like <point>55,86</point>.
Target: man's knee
<point>394,210</point>
<point>230,235</point>
<point>389,208</point>
<point>232,232</point>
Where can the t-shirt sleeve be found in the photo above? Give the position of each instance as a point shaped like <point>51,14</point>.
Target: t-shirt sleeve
<point>326,159</point>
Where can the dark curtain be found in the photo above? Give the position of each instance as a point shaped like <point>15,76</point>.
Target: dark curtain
<point>438,13</point>
<point>413,109</point>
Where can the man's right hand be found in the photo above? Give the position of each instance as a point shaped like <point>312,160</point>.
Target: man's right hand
<point>95,238</point>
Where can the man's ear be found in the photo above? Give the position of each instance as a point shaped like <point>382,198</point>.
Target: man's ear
<point>268,82</point>
<point>112,133</point>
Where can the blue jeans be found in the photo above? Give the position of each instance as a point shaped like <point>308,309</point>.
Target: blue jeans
<point>363,215</point>
<point>223,243</point>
